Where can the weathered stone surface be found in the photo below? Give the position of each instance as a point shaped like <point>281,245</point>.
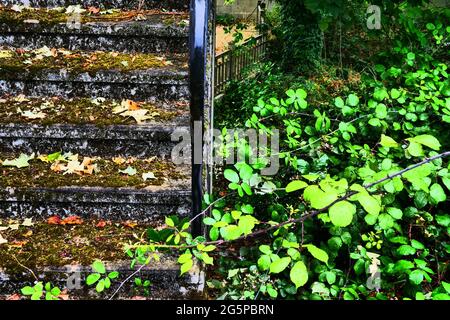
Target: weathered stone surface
<point>164,276</point>
<point>130,36</point>
<point>145,205</point>
<point>126,4</point>
<point>90,140</point>
<point>150,85</point>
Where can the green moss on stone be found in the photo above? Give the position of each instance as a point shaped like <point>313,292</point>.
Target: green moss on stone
<point>76,111</point>
<point>39,174</point>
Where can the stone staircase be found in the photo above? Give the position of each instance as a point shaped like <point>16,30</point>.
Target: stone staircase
<point>100,87</point>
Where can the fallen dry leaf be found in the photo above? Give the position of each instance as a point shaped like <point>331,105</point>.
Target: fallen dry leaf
<point>14,297</point>
<point>18,244</point>
<point>27,234</point>
<point>93,10</point>
<point>101,224</point>
<point>118,160</point>
<point>129,224</point>
<point>72,220</point>
<point>54,220</point>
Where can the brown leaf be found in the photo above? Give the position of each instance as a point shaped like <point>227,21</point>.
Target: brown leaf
<point>93,10</point>
<point>130,104</point>
<point>101,224</point>
<point>14,296</point>
<point>20,51</point>
<point>54,220</point>
<point>129,224</point>
<point>118,160</point>
<point>27,234</point>
<point>72,220</point>
<point>18,244</point>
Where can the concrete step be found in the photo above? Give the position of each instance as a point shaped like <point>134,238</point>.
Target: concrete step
<point>95,188</point>
<point>89,126</point>
<point>123,4</point>
<point>152,32</point>
<point>94,74</point>
<point>63,254</point>
<point>126,140</point>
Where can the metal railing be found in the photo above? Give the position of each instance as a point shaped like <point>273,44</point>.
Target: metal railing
<point>229,64</point>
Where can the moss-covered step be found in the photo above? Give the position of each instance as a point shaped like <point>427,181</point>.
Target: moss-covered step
<point>126,140</point>
<point>169,5</point>
<point>116,188</point>
<point>55,72</point>
<point>63,253</point>
<point>91,126</point>
<point>119,31</point>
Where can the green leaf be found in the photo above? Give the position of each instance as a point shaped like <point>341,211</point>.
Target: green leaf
<point>417,245</point>
<point>129,171</point>
<point>341,213</point>
<point>427,140</point>
<point>318,198</point>
<point>113,275</point>
<point>247,223</point>
<point>317,253</point>
<point>395,213</point>
<point>28,291</point>
<point>296,185</point>
<point>388,142</point>
<point>264,262</point>
<point>207,259</point>
<point>231,176</point>
<point>245,171</point>
<point>231,232</point>
<point>169,222</point>
<point>20,162</point>
<point>185,267</point>
<point>381,111</point>
<point>406,250</point>
<point>100,286</point>
<point>92,278</point>
<point>437,193</point>
<point>107,283</point>
<point>338,102</point>
<point>415,149</point>
<point>386,221</point>
<point>299,274</point>
<point>416,277</point>
<point>353,100</point>
<point>99,266</point>
<point>370,204</point>
<point>279,265</point>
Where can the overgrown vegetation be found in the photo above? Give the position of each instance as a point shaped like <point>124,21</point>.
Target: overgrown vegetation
<point>358,209</point>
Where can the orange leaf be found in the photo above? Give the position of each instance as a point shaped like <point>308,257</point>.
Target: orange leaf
<point>72,220</point>
<point>54,220</point>
<point>130,104</point>
<point>101,224</point>
<point>93,10</point>
<point>129,224</point>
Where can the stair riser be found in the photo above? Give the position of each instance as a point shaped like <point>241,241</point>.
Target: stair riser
<point>128,141</point>
<point>146,44</point>
<point>124,4</point>
<point>135,91</point>
<point>166,282</point>
<point>152,213</point>
<point>89,147</point>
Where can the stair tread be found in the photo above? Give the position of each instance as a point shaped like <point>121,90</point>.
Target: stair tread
<point>101,112</point>
<point>63,65</point>
<point>129,23</point>
<point>59,247</point>
<point>170,5</point>
<point>94,172</point>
